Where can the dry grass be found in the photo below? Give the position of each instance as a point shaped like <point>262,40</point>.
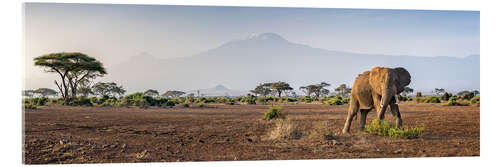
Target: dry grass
<point>300,129</point>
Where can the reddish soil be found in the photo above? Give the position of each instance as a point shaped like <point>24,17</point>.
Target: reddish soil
<point>56,134</point>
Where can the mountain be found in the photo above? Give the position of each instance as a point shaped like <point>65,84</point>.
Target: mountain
<point>218,90</point>
<point>244,63</point>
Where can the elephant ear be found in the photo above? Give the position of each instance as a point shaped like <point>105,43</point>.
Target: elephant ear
<point>376,79</point>
<point>404,78</point>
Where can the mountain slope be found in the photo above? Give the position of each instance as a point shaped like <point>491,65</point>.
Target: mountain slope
<point>242,64</point>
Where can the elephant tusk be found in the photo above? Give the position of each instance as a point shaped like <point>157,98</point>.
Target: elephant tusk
<point>397,99</point>
<point>381,104</point>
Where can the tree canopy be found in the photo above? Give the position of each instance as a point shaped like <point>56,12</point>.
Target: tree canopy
<point>280,87</point>
<point>45,92</point>
<point>175,93</point>
<point>316,89</point>
<point>107,88</point>
<point>263,89</point>
<point>151,92</point>
<point>343,90</point>
<point>407,90</point>
<point>73,69</point>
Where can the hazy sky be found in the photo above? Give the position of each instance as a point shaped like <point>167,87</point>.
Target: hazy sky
<point>113,33</point>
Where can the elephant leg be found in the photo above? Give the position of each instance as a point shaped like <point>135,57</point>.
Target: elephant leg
<point>353,110</point>
<point>362,120</point>
<point>397,115</point>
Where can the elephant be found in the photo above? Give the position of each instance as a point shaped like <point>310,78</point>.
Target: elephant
<point>377,89</point>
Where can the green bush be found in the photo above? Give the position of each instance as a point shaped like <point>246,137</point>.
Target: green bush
<point>475,100</point>
<point>335,101</point>
<point>346,100</point>
<point>81,101</point>
<point>453,101</point>
<point>274,112</point>
<point>446,96</point>
<point>378,127</point>
<point>291,99</point>
<point>419,94</point>
<point>406,133</point>
<point>383,128</point>
<point>249,99</point>
<point>468,95</point>
<point>432,99</point>
<point>29,106</point>
<point>169,104</point>
<point>307,99</point>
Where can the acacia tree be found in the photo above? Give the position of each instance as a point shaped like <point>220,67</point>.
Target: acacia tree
<point>44,92</point>
<point>151,92</point>
<point>343,90</point>
<point>73,68</point>
<point>317,89</point>
<point>439,91</point>
<point>175,93</point>
<point>85,91</point>
<point>28,93</point>
<point>262,89</point>
<point>279,87</point>
<point>407,90</point>
<point>107,88</point>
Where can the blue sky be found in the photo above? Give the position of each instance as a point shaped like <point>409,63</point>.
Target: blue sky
<point>114,33</point>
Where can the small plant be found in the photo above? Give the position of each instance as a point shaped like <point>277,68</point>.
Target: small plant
<point>446,96</point>
<point>432,99</point>
<point>274,112</point>
<point>406,133</point>
<point>453,101</point>
<point>29,106</point>
<point>186,105</point>
<point>383,128</point>
<point>335,101</point>
<point>475,100</point>
<point>380,128</point>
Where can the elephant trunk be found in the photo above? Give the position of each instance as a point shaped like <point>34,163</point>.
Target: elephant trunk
<point>387,96</point>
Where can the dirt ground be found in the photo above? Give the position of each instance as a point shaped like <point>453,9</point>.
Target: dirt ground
<point>56,134</point>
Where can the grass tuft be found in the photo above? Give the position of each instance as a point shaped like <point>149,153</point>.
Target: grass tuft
<point>383,128</point>
<point>275,112</point>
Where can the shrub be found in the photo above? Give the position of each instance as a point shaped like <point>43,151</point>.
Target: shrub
<point>383,128</point>
<point>81,101</point>
<point>419,94</point>
<point>306,99</point>
<point>335,101</point>
<point>169,104</point>
<point>468,95</point>
<point>291,99</point>
<point>406,133</point>
<point>432,99</point>
<point>29,106</point>
<point>186,105</point>
<point>453,101</point>
<point>475,100</point>
<point>249,99</point>
<point>38,101</point>
<point>446,96</point>
<point>262,100</point>
<point>379,128</point>
<point>346,100</point>
<point>274,112</point>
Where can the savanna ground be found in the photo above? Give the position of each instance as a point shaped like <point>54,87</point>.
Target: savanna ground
<point>58,134</point>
